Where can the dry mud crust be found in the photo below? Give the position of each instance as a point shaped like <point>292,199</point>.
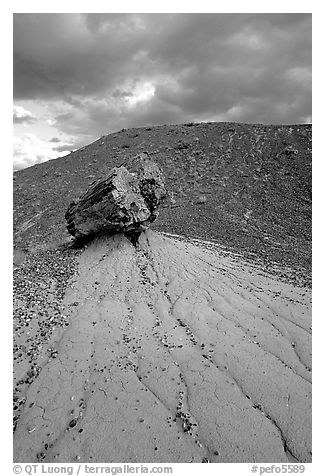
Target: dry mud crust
<point>174,353</point>
<point>39,316</point>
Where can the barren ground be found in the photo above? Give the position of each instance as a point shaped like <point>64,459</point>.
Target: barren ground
<point>174,351</point>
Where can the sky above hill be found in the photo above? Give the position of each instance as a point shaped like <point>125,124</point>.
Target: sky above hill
<point>80,76</point>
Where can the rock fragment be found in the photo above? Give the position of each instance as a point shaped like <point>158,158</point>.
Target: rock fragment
<point>125,201</point>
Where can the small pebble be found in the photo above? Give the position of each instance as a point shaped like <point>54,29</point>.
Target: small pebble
<point>72,423</point>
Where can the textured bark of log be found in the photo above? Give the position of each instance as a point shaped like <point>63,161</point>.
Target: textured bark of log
<point>125,201</point>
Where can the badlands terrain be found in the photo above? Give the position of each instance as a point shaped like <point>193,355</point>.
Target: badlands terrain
<point>193,346</point>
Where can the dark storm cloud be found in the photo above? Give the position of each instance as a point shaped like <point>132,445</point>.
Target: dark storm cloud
<point>122,94</point>
<point>23,120</point>
<point>240,67</point>
<point>62,148</point>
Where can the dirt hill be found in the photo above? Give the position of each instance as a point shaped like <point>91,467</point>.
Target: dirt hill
<point>248,187</point>
<point>184,348</point>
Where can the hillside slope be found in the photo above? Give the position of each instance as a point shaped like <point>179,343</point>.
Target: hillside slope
<point>169,352</point>
<point>247,187</point>
<point>180,349</point>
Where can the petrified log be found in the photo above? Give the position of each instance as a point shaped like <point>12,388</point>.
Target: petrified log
<point>125,201</point>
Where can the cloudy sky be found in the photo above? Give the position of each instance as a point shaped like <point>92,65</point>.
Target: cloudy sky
<point>80,76</point>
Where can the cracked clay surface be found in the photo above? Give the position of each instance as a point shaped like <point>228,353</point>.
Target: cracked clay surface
<point>173,353</point>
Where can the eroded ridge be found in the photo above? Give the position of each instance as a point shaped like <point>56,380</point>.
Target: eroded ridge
<point>174,353</point>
